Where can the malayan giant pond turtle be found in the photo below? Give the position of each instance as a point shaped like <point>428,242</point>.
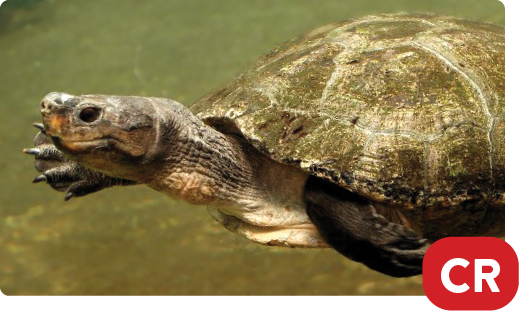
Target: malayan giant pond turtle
<point>374,136</point>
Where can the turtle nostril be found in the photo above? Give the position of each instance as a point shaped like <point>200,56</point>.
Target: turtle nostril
<point>45,107</point>
<point>90,114</point>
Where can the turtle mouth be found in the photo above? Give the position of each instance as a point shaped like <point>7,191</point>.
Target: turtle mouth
<point>74,140</point>
<point>98,146</point>
<point>81,146</point>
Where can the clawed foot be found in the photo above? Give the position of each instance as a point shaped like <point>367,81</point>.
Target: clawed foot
<point>65,175</point>
<point>401,248</point>
<point>350,224</point>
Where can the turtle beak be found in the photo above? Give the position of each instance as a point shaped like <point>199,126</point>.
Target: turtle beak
<point>56,109</point>
<point>57,114</point>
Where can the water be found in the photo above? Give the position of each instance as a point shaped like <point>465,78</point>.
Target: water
<point>133,240</point>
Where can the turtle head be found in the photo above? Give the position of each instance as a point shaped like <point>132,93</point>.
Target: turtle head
<point>111,134</point>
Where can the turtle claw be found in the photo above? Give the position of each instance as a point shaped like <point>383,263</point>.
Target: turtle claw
<point>351,225</point>
<point>65,175</point>
<point>40,127</point>
<point>40,178</point>
<point>32,151</point>
<point>68,196</point>
<point>45,152</point>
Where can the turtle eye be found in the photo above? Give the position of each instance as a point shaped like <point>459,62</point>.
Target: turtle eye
<point>90,114</point>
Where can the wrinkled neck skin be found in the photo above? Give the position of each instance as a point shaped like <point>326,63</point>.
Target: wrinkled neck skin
<point>195,163</point>
<point>203,166</point>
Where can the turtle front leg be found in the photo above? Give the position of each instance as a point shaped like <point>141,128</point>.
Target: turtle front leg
<point>350,224</point>
<point>65,175</point>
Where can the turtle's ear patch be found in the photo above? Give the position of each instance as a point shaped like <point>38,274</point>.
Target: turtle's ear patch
<point>349,223</point>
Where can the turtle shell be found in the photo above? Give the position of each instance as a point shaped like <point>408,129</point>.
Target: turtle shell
<point>404,109</point>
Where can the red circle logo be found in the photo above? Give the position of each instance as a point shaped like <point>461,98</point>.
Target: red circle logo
<point>470,273</point>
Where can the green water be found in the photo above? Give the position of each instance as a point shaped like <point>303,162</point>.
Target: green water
<point>134,240</point>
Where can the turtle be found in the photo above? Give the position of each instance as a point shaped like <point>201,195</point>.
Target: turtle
<point>375,136</point>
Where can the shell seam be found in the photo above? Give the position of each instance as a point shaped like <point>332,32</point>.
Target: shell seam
<point>482,98</point>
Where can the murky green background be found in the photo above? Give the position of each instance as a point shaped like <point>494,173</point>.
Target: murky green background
<point>134,240</point>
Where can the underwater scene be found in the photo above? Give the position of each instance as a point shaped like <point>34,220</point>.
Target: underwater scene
<point>134,240</point>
